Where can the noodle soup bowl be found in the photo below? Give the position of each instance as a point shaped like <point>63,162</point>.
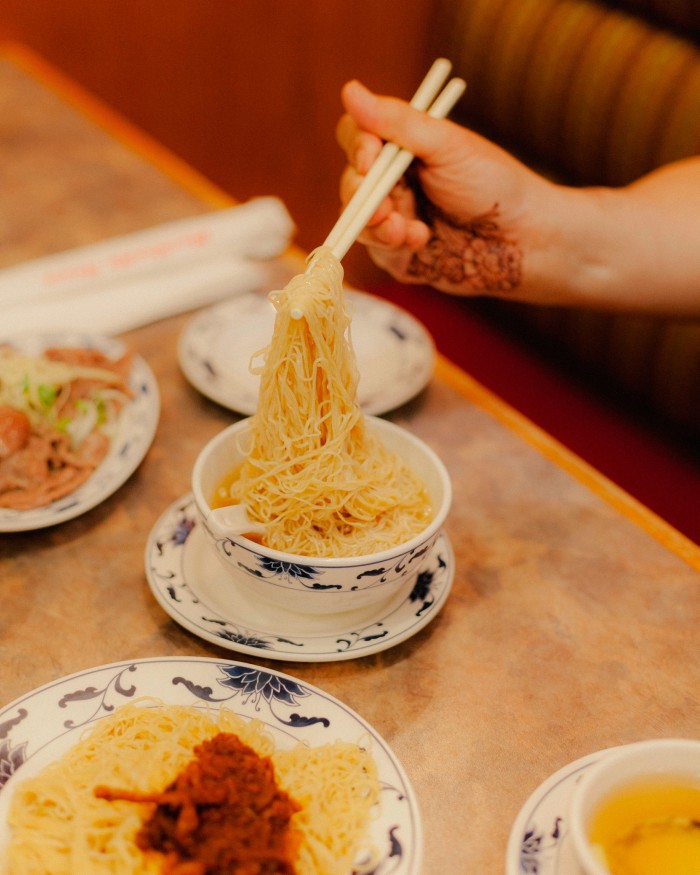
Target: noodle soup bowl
<point>320,585</point>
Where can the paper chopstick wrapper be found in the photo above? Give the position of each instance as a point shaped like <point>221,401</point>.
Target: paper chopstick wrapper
<point>137,301</point>
<point>258,229</point>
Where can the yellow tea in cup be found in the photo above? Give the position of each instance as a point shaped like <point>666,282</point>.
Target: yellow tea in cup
<point>649,828</point>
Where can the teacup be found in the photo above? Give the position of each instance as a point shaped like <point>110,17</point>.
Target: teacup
<point>646,768</point>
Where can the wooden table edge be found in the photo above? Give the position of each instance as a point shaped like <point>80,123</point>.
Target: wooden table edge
<point>564,458</point>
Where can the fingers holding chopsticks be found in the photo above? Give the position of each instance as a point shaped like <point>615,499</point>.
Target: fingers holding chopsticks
<point>368,123</point>
<point>385,119</point>
<point>371,119</point>
<point>392,225</point>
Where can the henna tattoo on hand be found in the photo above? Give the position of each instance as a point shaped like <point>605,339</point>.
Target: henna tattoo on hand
<point>476,254</point>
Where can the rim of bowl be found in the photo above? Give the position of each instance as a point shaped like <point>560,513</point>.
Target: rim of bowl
<point>581,807</point>
<point>424,535</point>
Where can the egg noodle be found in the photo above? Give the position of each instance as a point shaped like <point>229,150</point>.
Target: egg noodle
<point>315,475</point>
<point>59,826</point>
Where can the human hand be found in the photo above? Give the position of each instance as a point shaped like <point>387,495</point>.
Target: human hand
<point>470,219</point>
<point>456,220</point>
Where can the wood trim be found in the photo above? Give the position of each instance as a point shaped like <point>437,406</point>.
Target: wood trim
<point>556,452</point>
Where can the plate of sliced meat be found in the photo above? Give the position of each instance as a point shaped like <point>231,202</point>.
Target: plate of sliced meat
<point>77,416</point>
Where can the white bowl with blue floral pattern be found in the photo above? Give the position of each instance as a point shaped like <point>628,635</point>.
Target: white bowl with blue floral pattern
<point>321,585</point>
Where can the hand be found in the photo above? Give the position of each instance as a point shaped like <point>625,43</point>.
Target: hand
<point>469,218</point>
<point>457,220</point>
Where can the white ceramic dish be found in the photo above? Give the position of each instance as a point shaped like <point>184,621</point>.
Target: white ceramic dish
<point>40,727</point>
<point>187,580</point>
<point>395,353</point>
<point>540,841</point>
<point>136,430</point>
<point>320,585</point>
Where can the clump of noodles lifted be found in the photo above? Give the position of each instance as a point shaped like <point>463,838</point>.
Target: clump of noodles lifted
<point>315,475</point>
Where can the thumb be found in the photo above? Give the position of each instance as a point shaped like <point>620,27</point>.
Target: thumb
<point>394,120</point>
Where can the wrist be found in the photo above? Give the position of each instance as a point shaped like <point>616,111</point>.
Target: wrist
<point>573,254</point>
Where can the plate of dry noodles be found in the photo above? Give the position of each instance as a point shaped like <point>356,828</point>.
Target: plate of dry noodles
<point>87,759</point>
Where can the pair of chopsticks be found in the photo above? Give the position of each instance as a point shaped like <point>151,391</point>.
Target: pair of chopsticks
<point>392,161</point>
<point>390,164</point>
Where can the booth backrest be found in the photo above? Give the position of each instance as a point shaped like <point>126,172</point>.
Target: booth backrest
<point>593,93</point>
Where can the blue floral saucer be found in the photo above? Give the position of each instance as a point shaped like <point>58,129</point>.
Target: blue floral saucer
<point>191,585</point>
<point>539,842</point>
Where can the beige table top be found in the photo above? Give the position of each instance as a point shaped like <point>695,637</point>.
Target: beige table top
<point>573,621</point>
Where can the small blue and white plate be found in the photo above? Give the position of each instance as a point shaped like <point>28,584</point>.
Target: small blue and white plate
<point>136,429</point>
<point>191,585</point>
<point>38,728</point>
<point>539,841</point>
<point>395,353</point>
